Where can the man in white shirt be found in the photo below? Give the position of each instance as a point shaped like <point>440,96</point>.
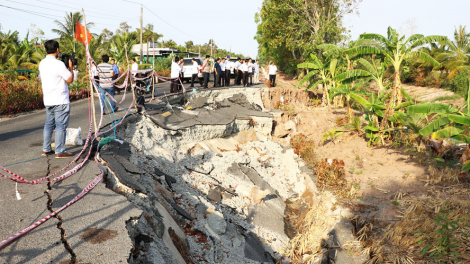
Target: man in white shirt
<point>195,71</point>
<point>240,77</point>
<point>222,73</point>
<point>244,68</point>
<point>175,74</point>
<point>134,67</point>
<point>228,68</point>
<point>272,73</point>
<point>256,75</point>
<point>54,79</point>
<point>250,71</point>
<point>236,72</point>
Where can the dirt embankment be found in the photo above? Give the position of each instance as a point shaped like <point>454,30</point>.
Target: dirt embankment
<point>386,187</point>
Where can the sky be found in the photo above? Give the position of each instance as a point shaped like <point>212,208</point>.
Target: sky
<point>229,22</point>
<point>231,25</point>
<point>431,17</point>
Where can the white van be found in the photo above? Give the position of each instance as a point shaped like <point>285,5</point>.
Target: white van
<point>189,69</point>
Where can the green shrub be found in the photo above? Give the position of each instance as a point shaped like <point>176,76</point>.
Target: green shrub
<point>459,83</point>
<point>22,96</point>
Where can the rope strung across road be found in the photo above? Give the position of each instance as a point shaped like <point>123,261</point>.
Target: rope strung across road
<point>15,177</point>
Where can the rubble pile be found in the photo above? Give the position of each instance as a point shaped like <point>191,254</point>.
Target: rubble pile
<point>211,184</point>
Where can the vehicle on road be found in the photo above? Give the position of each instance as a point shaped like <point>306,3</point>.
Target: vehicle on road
<point>189,69</point>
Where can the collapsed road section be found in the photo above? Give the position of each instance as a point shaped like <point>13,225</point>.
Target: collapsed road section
<point>210,182</point>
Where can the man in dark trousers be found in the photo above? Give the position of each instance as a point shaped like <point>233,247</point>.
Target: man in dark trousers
<point>222,72</point>
<point>217,72</point>
<point>206,70</point>
<point>194,72</point>
<point>227,71</point>
<point>236,71</point>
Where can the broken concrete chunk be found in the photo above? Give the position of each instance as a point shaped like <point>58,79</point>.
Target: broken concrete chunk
<point>215,195</point>
<point>216,221</point>
<point>179,209</point>
<point>204,168</point>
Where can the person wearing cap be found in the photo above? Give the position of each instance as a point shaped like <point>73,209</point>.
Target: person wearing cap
<point>228,68</point>
<point>222,72</point>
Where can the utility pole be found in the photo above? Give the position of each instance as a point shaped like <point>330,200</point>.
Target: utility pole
<point>199,50</point>
<point>141,29</point>
<point>211,46</point>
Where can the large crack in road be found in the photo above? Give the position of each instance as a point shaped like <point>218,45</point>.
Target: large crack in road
<point>63,235</point>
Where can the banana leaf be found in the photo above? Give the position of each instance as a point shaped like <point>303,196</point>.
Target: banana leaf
<point>434,126</point>
<point>448,132</point>
<point>361,100</point>
<point>431,108</point>
<point>404,104</point>
<point>462,138</point>
<point>463,120</point>
<point>466,167</point>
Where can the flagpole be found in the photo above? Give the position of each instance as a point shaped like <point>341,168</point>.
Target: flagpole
<point>130,77</point>
<point>91,83</point>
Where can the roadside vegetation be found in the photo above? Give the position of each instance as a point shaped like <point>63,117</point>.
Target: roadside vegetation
<point>366,77</point>
<point>20,57</point>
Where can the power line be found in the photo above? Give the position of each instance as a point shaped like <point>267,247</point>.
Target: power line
<point>26,11</point>
<point>121,14</point>
<point>112,17</point>
<point>56,9</point>
<point>161,18</point>
<point>45,15</point>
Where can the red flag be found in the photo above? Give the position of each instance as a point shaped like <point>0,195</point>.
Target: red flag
<point>80,34</point>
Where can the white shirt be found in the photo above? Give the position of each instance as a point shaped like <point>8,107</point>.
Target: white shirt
<point>195,68</point>
<point>256,65</point>
<point>243,67</point>
<point>222,66</point>
<point>228,64</point>
<point>135,67</point>
<point>75,75</point>
<point>94,71</point>
<point>54,87</point>
<point>272,69</point>
<point>237,63</point>
<point>250,67</point>
<point>240,66</point>
<point>175,70</point>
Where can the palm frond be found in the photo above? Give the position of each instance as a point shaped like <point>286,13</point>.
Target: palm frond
<point>427,40</point>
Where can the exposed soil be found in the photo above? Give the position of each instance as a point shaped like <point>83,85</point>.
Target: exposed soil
<point>379,178</point>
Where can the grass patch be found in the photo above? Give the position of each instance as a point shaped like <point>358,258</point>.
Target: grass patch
<point>447,98</point>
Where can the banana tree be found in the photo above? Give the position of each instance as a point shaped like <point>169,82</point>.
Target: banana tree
<point>376,70</point>
<point>320,72</point>
<point>449,122</point>
<point>396,50</point>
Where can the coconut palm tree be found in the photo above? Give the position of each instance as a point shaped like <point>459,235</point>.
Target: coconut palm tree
<point>66,29</point>
<point>455,56</point>
<point>119,43</point>
<point>396,50</point>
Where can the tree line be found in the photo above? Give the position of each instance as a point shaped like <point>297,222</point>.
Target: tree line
<point>25,54</point>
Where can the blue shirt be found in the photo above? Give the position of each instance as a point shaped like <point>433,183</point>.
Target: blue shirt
<point>115,69</point>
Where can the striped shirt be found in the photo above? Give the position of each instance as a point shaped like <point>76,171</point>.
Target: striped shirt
<point>104,72</point>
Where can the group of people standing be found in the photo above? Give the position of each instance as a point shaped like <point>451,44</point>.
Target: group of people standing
<point>244,70</point>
